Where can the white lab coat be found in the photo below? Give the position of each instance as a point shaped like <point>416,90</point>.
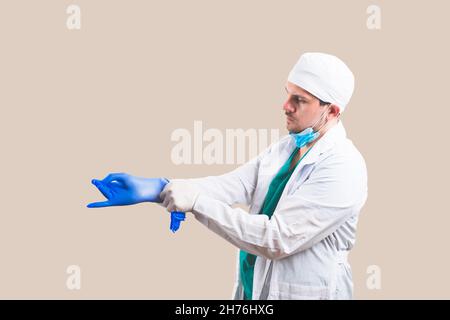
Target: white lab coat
<point>302,249</point>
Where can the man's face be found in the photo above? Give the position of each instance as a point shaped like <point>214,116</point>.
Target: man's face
<point>301,108</point>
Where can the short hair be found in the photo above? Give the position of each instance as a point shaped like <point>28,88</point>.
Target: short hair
<point>323,103</point>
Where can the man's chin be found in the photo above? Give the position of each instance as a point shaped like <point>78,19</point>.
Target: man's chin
<point>290,128</point>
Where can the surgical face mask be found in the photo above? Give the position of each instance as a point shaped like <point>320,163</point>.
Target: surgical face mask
<point>308,135</point>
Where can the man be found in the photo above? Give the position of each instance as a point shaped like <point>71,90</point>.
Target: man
<point>305,193</point>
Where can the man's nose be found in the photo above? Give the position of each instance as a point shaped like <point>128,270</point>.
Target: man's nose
<point>287,107</point>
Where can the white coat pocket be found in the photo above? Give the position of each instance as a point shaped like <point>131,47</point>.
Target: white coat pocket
<point>291,291</point>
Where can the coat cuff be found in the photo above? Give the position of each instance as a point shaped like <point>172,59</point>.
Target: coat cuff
<point>202,207</point>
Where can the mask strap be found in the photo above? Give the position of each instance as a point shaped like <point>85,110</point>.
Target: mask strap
<point>321,116</point>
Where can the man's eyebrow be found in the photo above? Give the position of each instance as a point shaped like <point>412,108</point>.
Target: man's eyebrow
<point>296,95</point>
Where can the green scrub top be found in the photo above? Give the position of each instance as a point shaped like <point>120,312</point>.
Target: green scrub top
<point>276,187</point>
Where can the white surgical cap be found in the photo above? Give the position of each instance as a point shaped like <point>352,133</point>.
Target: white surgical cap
<point>324,76</point>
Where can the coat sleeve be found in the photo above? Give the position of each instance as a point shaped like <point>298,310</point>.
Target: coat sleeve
<point>234,187</point>
<point>335,190</point>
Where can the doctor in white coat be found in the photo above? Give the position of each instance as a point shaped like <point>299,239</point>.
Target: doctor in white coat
<point>305,193</point>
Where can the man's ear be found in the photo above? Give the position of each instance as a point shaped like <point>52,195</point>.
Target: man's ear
<point>335,110</point>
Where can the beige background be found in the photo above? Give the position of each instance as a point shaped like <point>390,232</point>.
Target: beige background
<point>76,105</point>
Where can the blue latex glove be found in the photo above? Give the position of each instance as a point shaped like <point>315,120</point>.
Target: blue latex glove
<point>122,189</point>
<point>175,220</point>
